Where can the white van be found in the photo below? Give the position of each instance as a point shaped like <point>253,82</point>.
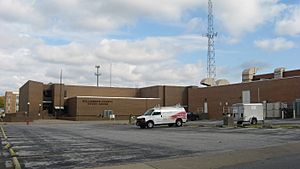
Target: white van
<point>162,115</point>
<point>250,112</point>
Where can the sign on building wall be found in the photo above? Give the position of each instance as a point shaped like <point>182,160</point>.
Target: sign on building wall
<point>96,102</point>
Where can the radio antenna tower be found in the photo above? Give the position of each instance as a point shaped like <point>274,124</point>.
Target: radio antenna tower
<point>211,62</point>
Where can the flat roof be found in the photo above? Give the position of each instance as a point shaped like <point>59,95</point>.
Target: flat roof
<point>255,81</point>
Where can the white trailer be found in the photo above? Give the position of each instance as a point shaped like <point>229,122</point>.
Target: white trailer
<point>248,112</point>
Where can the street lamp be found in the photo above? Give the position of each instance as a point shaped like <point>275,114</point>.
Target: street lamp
<point>25,116</point>
<point>97,74</point>
<point>40,105</point>
<point>27,122</point>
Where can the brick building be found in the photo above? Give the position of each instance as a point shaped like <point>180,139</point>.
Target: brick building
<point>96,103</point>
<point>280,86</point>
<point>90,103</point>
<point>11,104</point>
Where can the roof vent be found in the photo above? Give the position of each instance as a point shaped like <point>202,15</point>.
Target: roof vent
<point>248,74</point>
<point>222,82</point>
<point>278,72</point>
<point>208,82</point>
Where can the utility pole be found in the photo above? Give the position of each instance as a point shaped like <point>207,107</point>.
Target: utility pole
<point>211,63</point>
<point>97,74</point>
<point>60,94</point>
<point>110,75</point>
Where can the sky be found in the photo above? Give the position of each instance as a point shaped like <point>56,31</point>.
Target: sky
<point>143,43</point>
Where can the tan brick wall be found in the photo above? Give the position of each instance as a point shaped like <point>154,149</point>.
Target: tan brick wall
<point>93,108</point>
<point>10,105</point>
<point>71,104</point>
<point>150,92</point>
<point>284,90</point>
<point>24,96</point>
<point>170,95</point>
<point>58,92</point>
<point>176,95</point>
<point>35,98</point>
<point>73,91</point>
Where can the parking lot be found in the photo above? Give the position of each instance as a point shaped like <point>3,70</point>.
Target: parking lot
<point>94,144</point>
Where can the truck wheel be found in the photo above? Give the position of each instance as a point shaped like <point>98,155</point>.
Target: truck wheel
<point>178,122</point>
<point>150,124</point>
<point>254,121</point>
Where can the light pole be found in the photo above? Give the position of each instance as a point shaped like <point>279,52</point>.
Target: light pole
<point>221,108</point>
<point>40,105</point>
<point>97,74</point>
<point>27,122</point>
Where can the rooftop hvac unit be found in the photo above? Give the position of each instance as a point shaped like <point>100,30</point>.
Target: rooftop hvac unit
<point>248,74</point>
<point>208,82</point>
<point>221,82</point>
<point>278,73</point>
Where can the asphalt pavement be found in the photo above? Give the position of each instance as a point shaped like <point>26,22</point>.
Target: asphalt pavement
<point>59,144</point>
<point>291,161</point>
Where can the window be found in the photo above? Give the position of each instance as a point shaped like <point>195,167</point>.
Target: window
<point>156,113</point>
<point>107,113</point>
<point>47,93</point>
<point>149,112</point>
<point>17,100</point>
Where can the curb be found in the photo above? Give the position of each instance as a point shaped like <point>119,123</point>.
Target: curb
<point>13,154</point>
<point>3,133</point>
<point>16,163</point>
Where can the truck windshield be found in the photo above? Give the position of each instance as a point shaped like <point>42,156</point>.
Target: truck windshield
<point>149,112</point>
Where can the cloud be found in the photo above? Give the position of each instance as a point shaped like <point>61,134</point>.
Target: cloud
<point>172,72</point>
<point>149,50</point>
<point>20,12</point>
<point>96,16</point>
<point>110,15</point>
<point>70,54</point>
<point>290,24</point>
<point>274,45</point>
<point>152,60</point>
<point>238,18</point>
<point>79,16</point>
<point>86,32</point>
<point>149,60</point>
<point>261,65</point>
<point>196,25</point>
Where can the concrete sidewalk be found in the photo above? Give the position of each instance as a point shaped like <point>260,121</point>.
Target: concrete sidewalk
<point>215,160</point>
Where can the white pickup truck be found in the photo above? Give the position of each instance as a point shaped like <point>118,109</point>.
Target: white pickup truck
<point>162,116</point>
